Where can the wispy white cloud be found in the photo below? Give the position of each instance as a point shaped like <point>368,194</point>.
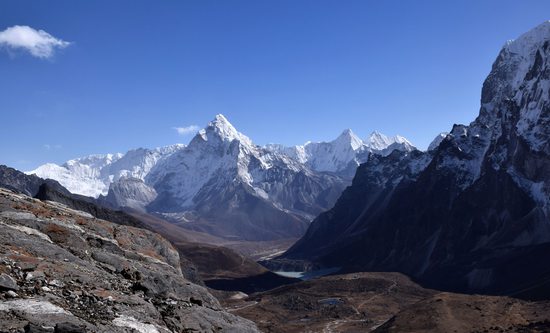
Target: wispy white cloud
<point>38,43</point>
<point>51,147</point>
<point>187,130</point>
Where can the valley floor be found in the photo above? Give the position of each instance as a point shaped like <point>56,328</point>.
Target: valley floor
<point>383,302</point>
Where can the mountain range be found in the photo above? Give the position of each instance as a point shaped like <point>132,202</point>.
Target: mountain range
<point>89,249</point>
<point>471,214</point>
<point>223,184</point>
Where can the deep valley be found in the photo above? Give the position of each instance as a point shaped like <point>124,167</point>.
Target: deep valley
<point>350,235</point>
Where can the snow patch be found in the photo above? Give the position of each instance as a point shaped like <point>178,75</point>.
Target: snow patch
<point>32,306</point>
<point>133,323</point>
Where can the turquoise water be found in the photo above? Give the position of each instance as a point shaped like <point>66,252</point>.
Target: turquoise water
<point>308,275</point>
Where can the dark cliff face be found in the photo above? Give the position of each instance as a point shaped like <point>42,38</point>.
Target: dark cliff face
<point>22,183</point>
<point>374,182</point>
<point>475,218</point>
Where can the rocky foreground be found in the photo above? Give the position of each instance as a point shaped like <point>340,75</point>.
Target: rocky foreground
<point>63,270</point>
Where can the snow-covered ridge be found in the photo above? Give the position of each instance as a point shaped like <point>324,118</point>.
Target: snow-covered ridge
<point>344,153</point>
<point>515,107</point>
<point>92,175</point>
<point>379,141</point>
<point>216,157</point>
<point>520,75</point>
<point>528,43</point>
<point>219,144</point>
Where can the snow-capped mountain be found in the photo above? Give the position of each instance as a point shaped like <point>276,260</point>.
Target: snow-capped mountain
<point>246,190</point>
<point>221,183</point>
<point>475,215</point>
<point>80,176</point>
<point>379,142</point>
<point>333,156</point>
<point>342,155</point>
<point>92,175</point>
<point>219,150</point>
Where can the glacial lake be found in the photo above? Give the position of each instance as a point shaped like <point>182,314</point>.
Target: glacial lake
<point>308,275</point>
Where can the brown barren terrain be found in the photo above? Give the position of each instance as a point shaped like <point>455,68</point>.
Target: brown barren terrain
<point>384,302</point>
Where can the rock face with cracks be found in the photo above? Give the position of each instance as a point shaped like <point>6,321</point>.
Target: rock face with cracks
<point>63,270</point>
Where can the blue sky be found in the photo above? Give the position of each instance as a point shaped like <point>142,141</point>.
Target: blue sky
<point>280,71</point>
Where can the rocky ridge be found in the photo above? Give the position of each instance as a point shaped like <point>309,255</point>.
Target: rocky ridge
<point>63,270</point>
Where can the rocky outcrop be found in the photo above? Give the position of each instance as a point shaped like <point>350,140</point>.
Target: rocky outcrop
<point>89,205</point>
<point>63,270</point>
<point>129,193</point>
<point>51,190</point>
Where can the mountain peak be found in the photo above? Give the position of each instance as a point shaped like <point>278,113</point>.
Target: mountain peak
<point>222,123</point>
<point>223,130</point>
<point>519,74</point>
<point>347,132</point>
<point>401,139</point>
<point>376,134</point>
<point>530,41</point>
<point>379,141</point>
<point>348,137</point>
<point>221,118</point>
